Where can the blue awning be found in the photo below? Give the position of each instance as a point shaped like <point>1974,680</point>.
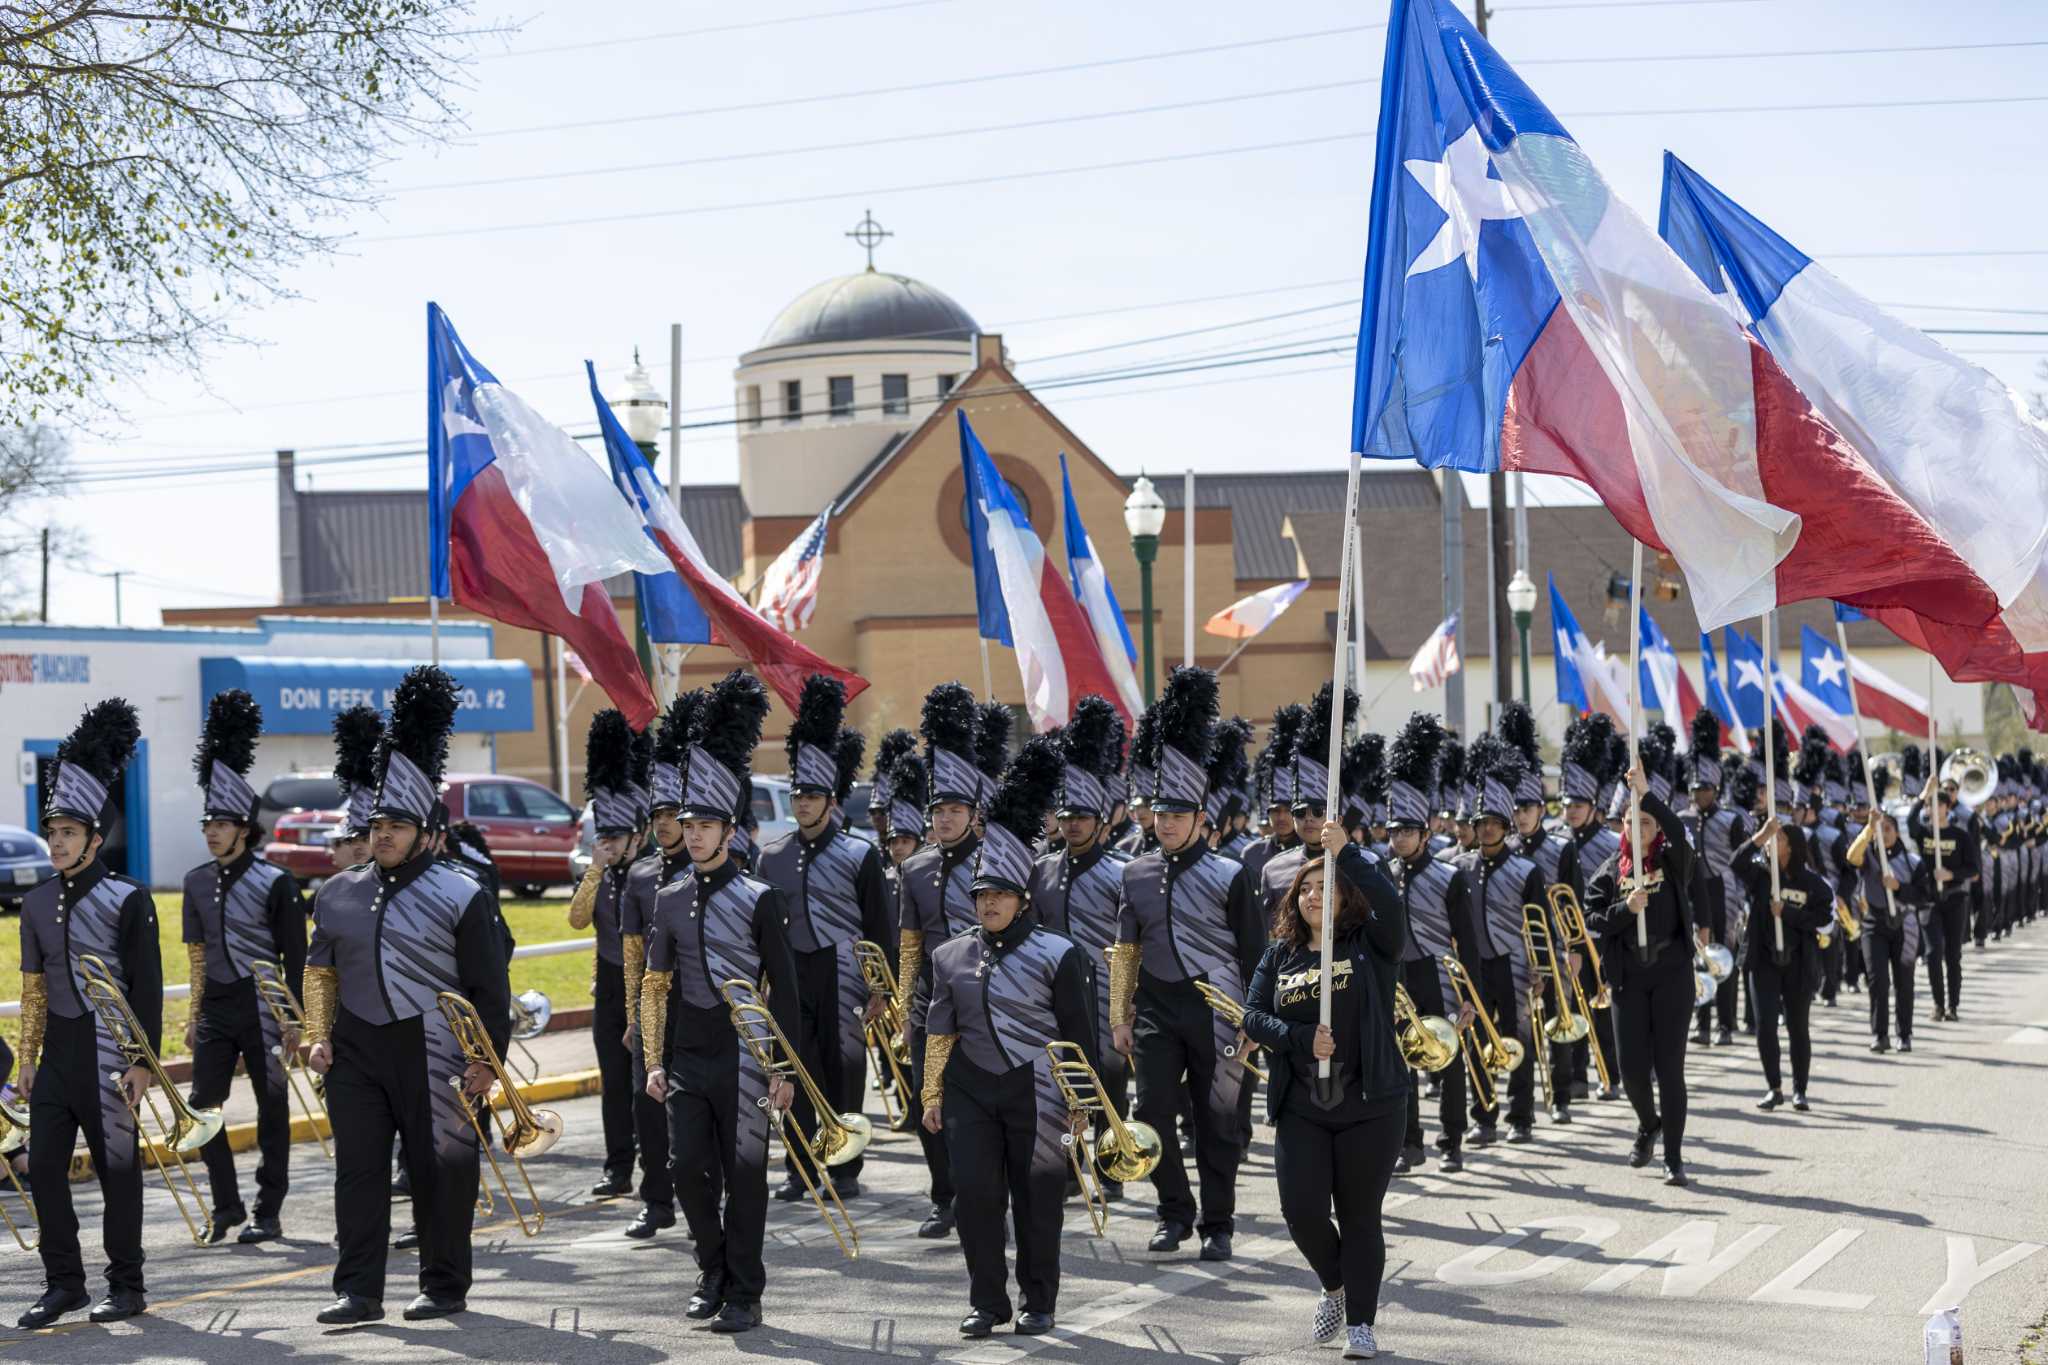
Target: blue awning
<point>302,696</point>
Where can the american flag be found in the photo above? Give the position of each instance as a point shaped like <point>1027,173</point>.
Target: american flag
<point>1438,657</point>
<point>789,590</point>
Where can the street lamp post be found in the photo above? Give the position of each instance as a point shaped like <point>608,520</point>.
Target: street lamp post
<point>642,411</point>
<point>1522,606</point>
<point>1145,518</point>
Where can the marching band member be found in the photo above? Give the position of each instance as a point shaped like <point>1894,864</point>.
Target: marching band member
<point>608,782</point>
<point>1652,982</point>
<point>937,900</point>
<point>903,828</point>
<point>1931,820</point>
<point>1435,902</point>
<point>240,910</point>
<point>715,925</point>
<point>1335,1144</point>
<point>1582,771</point>
<point>1075,891</point>
<point>1186,912</point>
<point>831,880</point>
<point>388,938</point>
<point>999,995</point>
<point>1715,832</point>
<point>1309,776</point>
<point>1856,814</point>
<point>1824,838</point>
<point>69,1061</point>
<point>1783,977</point>
<point>895,746</point>
<point>1144,740</point>
<point>1455,823</point>
<point>357,732</point>
<point>1551,853</point>
<point>1887,889</point>
<point>645,880</point>
<point>1499,882</point>
<point>1223,808</point>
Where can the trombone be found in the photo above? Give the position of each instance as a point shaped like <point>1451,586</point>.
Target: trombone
<point>309,1089</point>
<point>1128,1149</point>
<point>1487,1055</point>
<point>531,1011</point>
<point>525,1132</point>
<point>189,1128</point>
<point>1233,1014</point>
<point>1563,1026</point>
<point>1571,918</point>
<point>13,1137</point>
<point>886,1036</point>
<point>840,1137</point>
<point>1428,1042</point>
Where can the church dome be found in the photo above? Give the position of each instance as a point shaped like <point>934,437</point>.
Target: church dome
<point>872,305</point>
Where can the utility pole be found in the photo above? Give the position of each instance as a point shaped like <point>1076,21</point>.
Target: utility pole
<point>1454,587</point>
<point>45,613</point>
<point>117,575</point>
<point>1499,619</point>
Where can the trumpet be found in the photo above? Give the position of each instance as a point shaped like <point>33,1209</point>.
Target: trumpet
<point>1233,1014</point>
<point>189,1128</point>
<point>1128,1149</point>
<point>13,1137</point>
<point>887,1038</point>
<point>524,1132</point>
<point>1487,1054</point>
<point>307,1087</point>
<point>1428,1042</point>
<point>840,1137</point>
<point>531,1011</point>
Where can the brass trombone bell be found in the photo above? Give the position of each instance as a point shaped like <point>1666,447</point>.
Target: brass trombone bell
<point>1128,1149</point>
<point>1428,1042</point>
<point>1233,1014</point>
<point>523,1131</point>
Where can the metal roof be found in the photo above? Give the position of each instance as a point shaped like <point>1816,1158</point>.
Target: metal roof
<point>1260,505</point>
<point>872,305</point>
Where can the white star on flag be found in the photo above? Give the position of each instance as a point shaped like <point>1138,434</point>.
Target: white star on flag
<point>1828,668</point>
<point>1468,196</point>
<point>1747,674</point>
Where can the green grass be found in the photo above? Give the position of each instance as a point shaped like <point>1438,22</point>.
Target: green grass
<point>565,979</point>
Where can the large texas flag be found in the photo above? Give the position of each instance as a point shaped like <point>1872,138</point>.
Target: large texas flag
<point>1518,315</point>
<point>523,527</point>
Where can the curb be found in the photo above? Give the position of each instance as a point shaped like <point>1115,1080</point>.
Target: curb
<point>179,1072</point>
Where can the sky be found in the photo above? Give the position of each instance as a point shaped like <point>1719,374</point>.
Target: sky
<point>634,164</point>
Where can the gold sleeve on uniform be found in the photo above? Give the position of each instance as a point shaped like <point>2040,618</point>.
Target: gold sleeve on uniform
<point>195,957</point>
<point>938,1049</point>
<point>1123,981</point>
<point>322,992</point>
<point>909,955</point>
<point>35,1016</point>
<point>583,905</point>
<point>654,988</point>
<point>633,953</point>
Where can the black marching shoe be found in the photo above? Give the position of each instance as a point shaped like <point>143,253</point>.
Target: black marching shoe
<point>980,1323</point>
<point>1905,1044</point>
<point>350,1309</point>
<point>1483,1135</point>
<point>1607,1092</point>
<point>1581,1090</point>
<point>612,1186</point>
<point>652,1219</point>
<point>938,1223</point>
<point>1771,1100</point>
<point>1401,1166</point>
<point>790,1191</point>
<point>709,1298</point>
<point>1699,1036</point>
<point>1451,1164</point>
<point>1414,1153</point>
<point>1646,1138</point>
<point>119,1304</point>
<point>1674,1174</point>
<point>1112,1190</point>
<point>1560,1114</point>
<point>1799,1100</point>
<point>1034,1324</point>
<point>847,1186</point>
<point>409,1240</point>
<point>225,1221</point>
<point>1216,1246</point>
<point>262,1230</point>
<point>1519,1133</point>
<point>1727,1036</point>
<point>429,1306</point>
<point>1168,1236</point>
<point>1881,1044</point>
<point>54,1304</point>
<point>738,1315</point>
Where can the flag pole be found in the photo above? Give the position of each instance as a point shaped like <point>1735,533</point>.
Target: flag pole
<point>562,712</point>
<point>1771,774</point>
<point>1635,710</point>
<point>1358,612</point>
<point>1187,573</point>
<point>1331,810</point>
<point>1869,782</point>
<point>434,627</point>
<point>1934,773</point>
<point>1231,657</point>
<point>988,682</point>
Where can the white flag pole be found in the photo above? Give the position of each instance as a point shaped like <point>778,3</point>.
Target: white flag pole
<point>1934,770</point>
<point>1187,573</point>
<point>988,679</point>
<point>1635,710</point>
<point>1358,615</point>
<point>1331,810</point>
<point>1771,774</point>
<point>1869,782</point>
<point>562,711</point>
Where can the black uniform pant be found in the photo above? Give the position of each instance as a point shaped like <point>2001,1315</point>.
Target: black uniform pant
<point>1852,960</point>
<point>1497,989</point>
<point>1783,988</point>
<point>1323,1164</point>
<point>230,1029</point>
<point>72,1098</point>
<point>1425,988</point>
<point>1831,967</point>
<point>1174,1039</point>
<point>933,1144</point>
<point>1721,1009</point>
<point>718,1156</point>
<point>1949,926</point>
<point>1884,952</point>
<point>831,1044</point>
<point>650,1134</point>
<point>1602,1035</point>
<point>992,1134</point>
<point>633,1122</point>
<point>1651,1009</point>
<point>377,1090</point>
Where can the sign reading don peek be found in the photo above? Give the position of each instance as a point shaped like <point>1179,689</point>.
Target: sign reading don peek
<point>302,696</point>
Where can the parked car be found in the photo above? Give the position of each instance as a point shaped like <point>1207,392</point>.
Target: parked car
<point>301,810</point>
<point>533,833</point>
<point>24,864</point>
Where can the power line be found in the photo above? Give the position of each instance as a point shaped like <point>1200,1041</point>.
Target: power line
<point>814,17</point>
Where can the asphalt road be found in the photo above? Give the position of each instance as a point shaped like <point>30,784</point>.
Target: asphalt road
<point>1915,1182</point>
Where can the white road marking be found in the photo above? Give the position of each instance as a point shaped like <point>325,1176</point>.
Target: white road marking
<point>1468,1271</point>
<point>1688,1255</point>
<point>2033,1035</point>
<point>1965,1274</point>
<point>1786,1288</point>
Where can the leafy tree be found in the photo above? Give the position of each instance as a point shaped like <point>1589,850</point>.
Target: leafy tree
<point>34,462</point>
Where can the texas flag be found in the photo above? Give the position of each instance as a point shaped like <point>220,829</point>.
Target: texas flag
<point>1745,678</point>
<point>1517,315</point>
<point>1584,680</point>
<point>1248,616</point>
<point>1827,675</point>
<point>1093,591</point>
<point>1663,683</point>
<point>1717,697</point>
<point>524,528</point>
<point>1057,653</point>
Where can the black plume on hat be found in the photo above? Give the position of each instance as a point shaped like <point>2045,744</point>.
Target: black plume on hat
<point>1912,767</point>
<point>813,739</point>
<point>1094,739</point>
<point>356,733</point>
<point>1450,773</point>
<point>991,738</point>
<point>1881,782</point>
<point>1412,758</point>
<point>422,713</point>
<point>1228,766</point>
<point>1517,726</point>
<point>233,723</point>
<point>1655,748</point>
<point>947,724</point>
<point>1365,773</point>
<point>608,753</point>
<point>672,735</point>
<point>727,725</point>
<point>1492,769</point>
<point>1706,733</point>
<point>1781,750</point>
<point>1617,754</point>
<point>1145,739</point>
<point>1589,743</point>
<point>1016,816</point>
<point>1853,769</point>
<point>90,759</point>
<point>893,746</point>
<point>1312,746</point>
<point>1187,711</point>
<point>1273,769</point>
<point>852,747</point>
<point>1743,787</point>
<point>1813,757</point>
